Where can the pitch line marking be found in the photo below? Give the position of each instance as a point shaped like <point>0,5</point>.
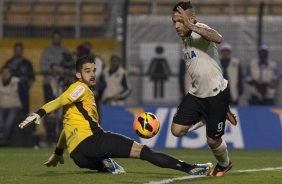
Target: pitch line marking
<point>165,181</point>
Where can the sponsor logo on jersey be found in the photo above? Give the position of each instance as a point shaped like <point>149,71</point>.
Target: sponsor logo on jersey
<point>186,56</point>
<point>77,92</point>
<point>193,54</point>
<point>190,56</point>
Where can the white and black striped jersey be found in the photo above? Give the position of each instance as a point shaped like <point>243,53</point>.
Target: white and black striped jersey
<point>202,65</point>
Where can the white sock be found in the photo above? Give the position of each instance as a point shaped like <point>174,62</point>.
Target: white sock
<point>196,126</point>
<point>221,154</point>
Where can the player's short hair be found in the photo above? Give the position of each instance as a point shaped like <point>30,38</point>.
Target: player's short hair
<point>185,5</point>
<point>81,61</point>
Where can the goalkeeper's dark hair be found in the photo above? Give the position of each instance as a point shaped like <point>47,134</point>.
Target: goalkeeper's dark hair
<point>82,60</point>
<point>185,5</point>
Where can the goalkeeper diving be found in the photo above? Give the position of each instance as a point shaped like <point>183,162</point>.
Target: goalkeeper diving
<point>87,143</point>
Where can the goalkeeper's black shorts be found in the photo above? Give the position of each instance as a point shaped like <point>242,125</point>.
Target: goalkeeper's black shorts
<point>90,152</point>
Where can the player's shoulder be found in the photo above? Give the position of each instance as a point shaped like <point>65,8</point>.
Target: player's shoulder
<point>78,86</point>
<point>77,89</point>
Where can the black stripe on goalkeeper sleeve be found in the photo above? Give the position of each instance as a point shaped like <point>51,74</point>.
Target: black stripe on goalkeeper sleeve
<point>59,151</point>
<point>41,112</point>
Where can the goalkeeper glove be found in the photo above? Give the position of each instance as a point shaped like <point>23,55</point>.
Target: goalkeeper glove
<point>32,118</point>
<point>53,160</point>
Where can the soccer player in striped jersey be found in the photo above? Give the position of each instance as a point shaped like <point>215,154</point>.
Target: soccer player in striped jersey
<point>208,96</point>
<point>87,143</point>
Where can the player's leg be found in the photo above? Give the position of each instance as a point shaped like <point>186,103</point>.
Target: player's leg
<point>101,165</point>
<point>111,166</point>
<point>196,126</point>
<point>166,161</point>
<point>85,155</point>
<point>187,116</point>
<point>179,130</point>
<point>123,147</point>
<point>230,116</point>
<point>219,149</point>
<point>81,160</point>
<point>215,129</point>
<point>105,165</point>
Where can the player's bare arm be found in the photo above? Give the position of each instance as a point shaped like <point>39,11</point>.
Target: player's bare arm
<point>207,32</point>
<point>200,28</point>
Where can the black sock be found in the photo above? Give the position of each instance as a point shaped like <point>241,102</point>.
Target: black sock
<point>164,160</point>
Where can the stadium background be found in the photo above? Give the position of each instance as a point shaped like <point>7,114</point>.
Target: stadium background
<point>133,29</point>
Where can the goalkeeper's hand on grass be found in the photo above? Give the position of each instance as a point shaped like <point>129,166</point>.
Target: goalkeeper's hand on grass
<point>53,160</point>
<point>32,118</point>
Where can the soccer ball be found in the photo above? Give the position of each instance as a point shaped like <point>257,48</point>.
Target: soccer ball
<point>146,125</point>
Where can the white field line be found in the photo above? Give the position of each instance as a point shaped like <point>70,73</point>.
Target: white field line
<point>165,181</point>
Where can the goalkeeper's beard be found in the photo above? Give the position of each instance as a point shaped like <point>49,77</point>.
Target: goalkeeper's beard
<point>91,82</point>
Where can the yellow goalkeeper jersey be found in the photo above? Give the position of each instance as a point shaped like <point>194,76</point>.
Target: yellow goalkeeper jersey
<point>80,113</point>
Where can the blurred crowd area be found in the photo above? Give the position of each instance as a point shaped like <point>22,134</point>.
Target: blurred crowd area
<point>104,18</point>
<point>138,55</point>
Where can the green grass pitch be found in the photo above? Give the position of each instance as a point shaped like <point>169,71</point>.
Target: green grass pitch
<point>24,166</point>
